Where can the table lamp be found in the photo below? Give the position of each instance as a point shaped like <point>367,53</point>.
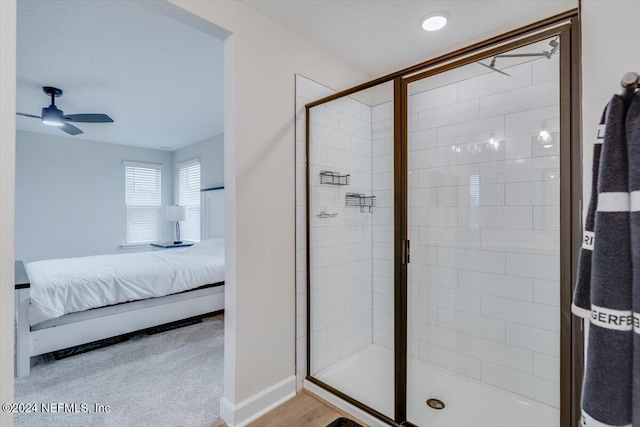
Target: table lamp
<point>177,214</point>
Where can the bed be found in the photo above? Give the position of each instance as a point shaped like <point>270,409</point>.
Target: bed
<point>63,303</point>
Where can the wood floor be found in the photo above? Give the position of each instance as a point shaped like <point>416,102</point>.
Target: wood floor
<point>303,410</point>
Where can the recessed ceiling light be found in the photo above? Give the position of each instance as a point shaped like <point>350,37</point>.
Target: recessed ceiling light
<point>434,21</point>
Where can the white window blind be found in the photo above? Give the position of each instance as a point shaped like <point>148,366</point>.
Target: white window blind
<point>189,196</point>
<point>143,202</point>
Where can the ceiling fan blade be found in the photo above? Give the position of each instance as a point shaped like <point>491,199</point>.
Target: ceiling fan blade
<point>88,118</point>
<point>70,129</point>
<point>29,115</point>
<point>495,69</point>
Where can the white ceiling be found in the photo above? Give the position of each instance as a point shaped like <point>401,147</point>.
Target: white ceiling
<point>160,80</point>
<point>381,36</point>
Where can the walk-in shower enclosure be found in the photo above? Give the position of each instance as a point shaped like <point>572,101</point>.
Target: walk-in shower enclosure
<point>442,222</point>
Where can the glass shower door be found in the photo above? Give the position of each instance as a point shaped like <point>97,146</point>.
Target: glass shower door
<point>350,187</point>
<point>483,221</point>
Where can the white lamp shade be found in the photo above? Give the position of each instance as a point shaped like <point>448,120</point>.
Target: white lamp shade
<point>176,213</point>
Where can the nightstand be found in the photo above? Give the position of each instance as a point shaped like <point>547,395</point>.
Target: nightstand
<point>169,245</point>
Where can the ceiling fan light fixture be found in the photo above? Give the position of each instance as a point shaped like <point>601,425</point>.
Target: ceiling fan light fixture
<point>52,123</point>
<point>51,116</point>
<point>434,21</point>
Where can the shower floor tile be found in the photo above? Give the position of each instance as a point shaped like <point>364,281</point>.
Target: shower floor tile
<point>367,375</point>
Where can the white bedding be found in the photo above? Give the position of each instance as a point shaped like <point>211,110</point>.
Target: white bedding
<point>62,286</point>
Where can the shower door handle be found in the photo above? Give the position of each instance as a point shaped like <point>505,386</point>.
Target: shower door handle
<point>406,252</point>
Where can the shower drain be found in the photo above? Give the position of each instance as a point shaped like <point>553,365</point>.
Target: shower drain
<point>435,403</point>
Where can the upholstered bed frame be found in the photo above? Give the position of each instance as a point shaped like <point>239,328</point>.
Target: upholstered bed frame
<point>100,323</point>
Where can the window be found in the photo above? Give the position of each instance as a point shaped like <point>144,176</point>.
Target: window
<point>143,202</point>
<point>189,196</point>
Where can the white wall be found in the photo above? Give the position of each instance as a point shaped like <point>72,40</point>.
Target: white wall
<point>70,195</point>
<point>610,38</point>
<point>211,155</point>
<point>262,59</point>
<point>7,169</point>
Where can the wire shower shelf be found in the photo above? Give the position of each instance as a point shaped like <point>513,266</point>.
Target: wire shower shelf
<point>334,178</point>
<point>361,200</point>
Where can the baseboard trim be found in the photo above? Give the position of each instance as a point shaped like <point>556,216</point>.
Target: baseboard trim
<point>257,405</point>
<point>343,405</point>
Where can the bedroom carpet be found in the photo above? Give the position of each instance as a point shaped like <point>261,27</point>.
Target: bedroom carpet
<point>171,379</point>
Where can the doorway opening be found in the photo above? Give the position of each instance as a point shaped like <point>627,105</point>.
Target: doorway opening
<point>98,208</point>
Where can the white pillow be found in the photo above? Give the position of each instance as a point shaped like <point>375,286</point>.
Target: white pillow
<point>214,246</point>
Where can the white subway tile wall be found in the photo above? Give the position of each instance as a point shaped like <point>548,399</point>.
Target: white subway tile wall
<point>306,91</point>
<point>483,220</point>
<point>483,282</point>
<point>341,246</point>
<point>382,185</point>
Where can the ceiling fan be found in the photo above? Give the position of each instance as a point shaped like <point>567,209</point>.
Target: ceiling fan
<point>52,116</point>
